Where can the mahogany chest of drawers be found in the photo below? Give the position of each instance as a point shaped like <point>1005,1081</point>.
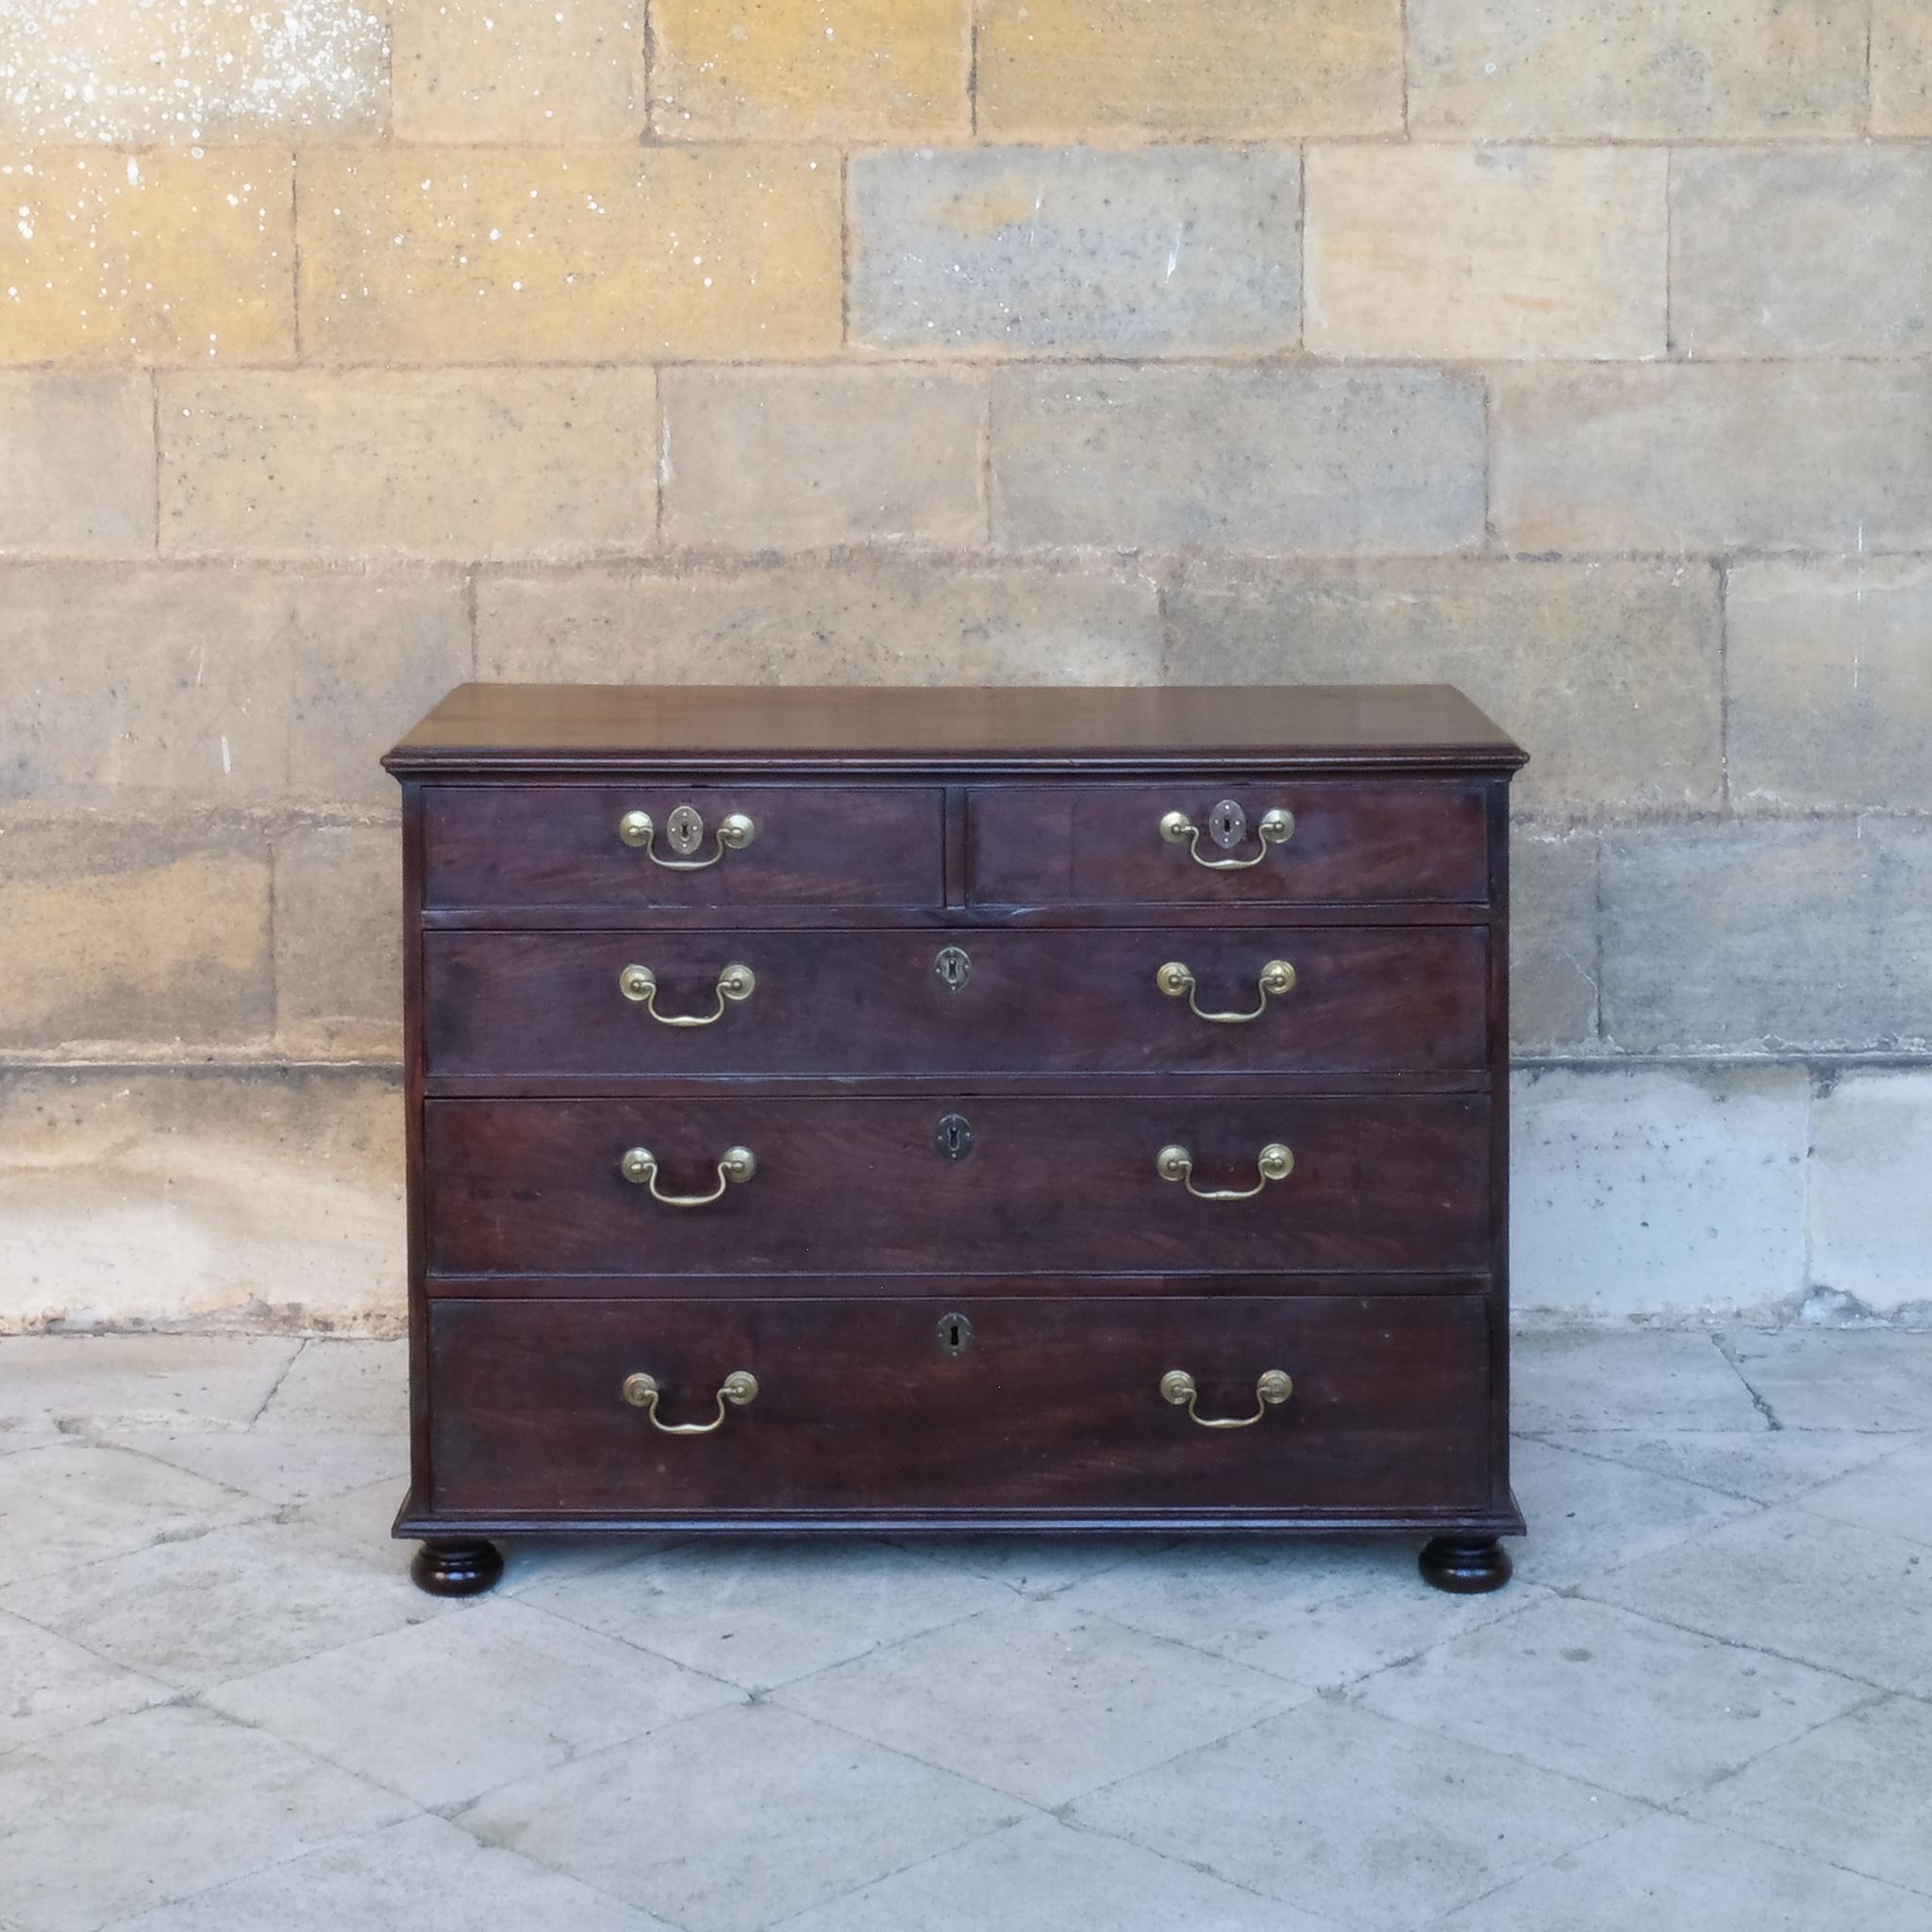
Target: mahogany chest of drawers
<point>891,1110</point>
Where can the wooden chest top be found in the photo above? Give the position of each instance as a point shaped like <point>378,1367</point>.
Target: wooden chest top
<point>553,728</point>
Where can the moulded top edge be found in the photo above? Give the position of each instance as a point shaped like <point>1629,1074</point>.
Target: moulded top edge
<point>561,729</point>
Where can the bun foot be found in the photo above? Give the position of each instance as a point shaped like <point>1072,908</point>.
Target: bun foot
<point>455,1569</point>
<point>1465,1564</point>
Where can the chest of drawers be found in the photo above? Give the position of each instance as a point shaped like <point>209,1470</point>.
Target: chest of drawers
<point>893,1111</point>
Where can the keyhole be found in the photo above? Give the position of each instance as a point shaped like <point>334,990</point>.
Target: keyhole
<point>954,1334</point>
<point>1227,825</point>
<point>952,967</point>
<point>954,1137</point>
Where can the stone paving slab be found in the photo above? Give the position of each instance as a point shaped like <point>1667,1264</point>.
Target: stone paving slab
<point>1707,1698</point>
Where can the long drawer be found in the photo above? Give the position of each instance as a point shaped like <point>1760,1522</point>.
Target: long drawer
<point>1348,840</point>
<point>921,1403</point>
<point>993,1186</point>
<point>1313,999</point>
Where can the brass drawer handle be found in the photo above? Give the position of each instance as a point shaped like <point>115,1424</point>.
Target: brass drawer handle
<point>1175,978</point>
<point>734,1164</point>
<point>1270,1392</point>
<point>686,831</point>
<point>639,984</point>
<point>1227,824</point>
<point>642,1391</point>
<point>1174,1163</point>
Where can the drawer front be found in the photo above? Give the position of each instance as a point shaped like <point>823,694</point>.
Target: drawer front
<point>517,845</point>
<point>1352,841</point>
<point>1065,1184</point>
<point>1054,1404</point>
<point>1383,999</point>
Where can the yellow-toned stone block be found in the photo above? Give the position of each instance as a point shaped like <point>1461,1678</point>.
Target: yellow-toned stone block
<point>461,463</point>
<point>484,254</point>
<point>123,933</point>
<point>262,1194</point>
<point>811,70</point>
<point>517,70</point>
<point>153,257</point>
<point>1241,70</point>
<point>339,942</point>
<point>1901,67</point>
<point>153,73</point>
<point>1488,252</point>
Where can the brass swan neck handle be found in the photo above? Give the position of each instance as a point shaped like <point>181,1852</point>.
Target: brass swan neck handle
<point>1177,978</point>
<point>1227,825</point>
<point>639,984</point>
<point>643,1391</point>
<point>639,1165</point>
<point>686,831</point>
<point>1274,1388</point>
<point>1275,1162</point>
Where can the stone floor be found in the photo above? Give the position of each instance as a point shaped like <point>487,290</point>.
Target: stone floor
<point>1705,1702</point>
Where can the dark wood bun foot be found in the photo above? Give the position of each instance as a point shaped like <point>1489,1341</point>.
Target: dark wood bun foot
<point>1465,1564</point>
<point>455,1569</point>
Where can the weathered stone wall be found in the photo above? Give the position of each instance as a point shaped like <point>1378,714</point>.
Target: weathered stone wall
<point>1577,351</point>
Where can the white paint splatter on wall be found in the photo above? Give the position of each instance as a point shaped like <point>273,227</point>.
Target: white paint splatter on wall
<point>164,71</point>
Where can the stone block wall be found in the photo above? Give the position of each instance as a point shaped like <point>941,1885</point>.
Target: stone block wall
<point>1575,351</point>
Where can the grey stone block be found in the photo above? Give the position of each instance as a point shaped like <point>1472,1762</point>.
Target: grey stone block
<point>1829,681</point>
<point>1607,673</point>
<point>1713,457</point>
<point>79,477</point>
<point>1761,935</point>
<point>795,459</point>
<point>1553,965</point>
<point>155,685</point>
<point>1669,1192</point>
<point>1274,459</point>
<point>1076,250</point>
<point>1636,70</point>
<point>1871,1206</point>
<point>1796,252</point>
<point>872,620</point>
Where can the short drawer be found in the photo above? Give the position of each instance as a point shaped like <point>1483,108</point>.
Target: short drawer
<point>919,1403</point>
<point>531,846</point>
<point>1351,842</point>
<point>993,1186</point>
<point>1377,999</point>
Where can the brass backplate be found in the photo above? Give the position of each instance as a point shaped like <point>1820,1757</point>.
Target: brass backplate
<point>684,830</point>
<point>1227,825</point>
